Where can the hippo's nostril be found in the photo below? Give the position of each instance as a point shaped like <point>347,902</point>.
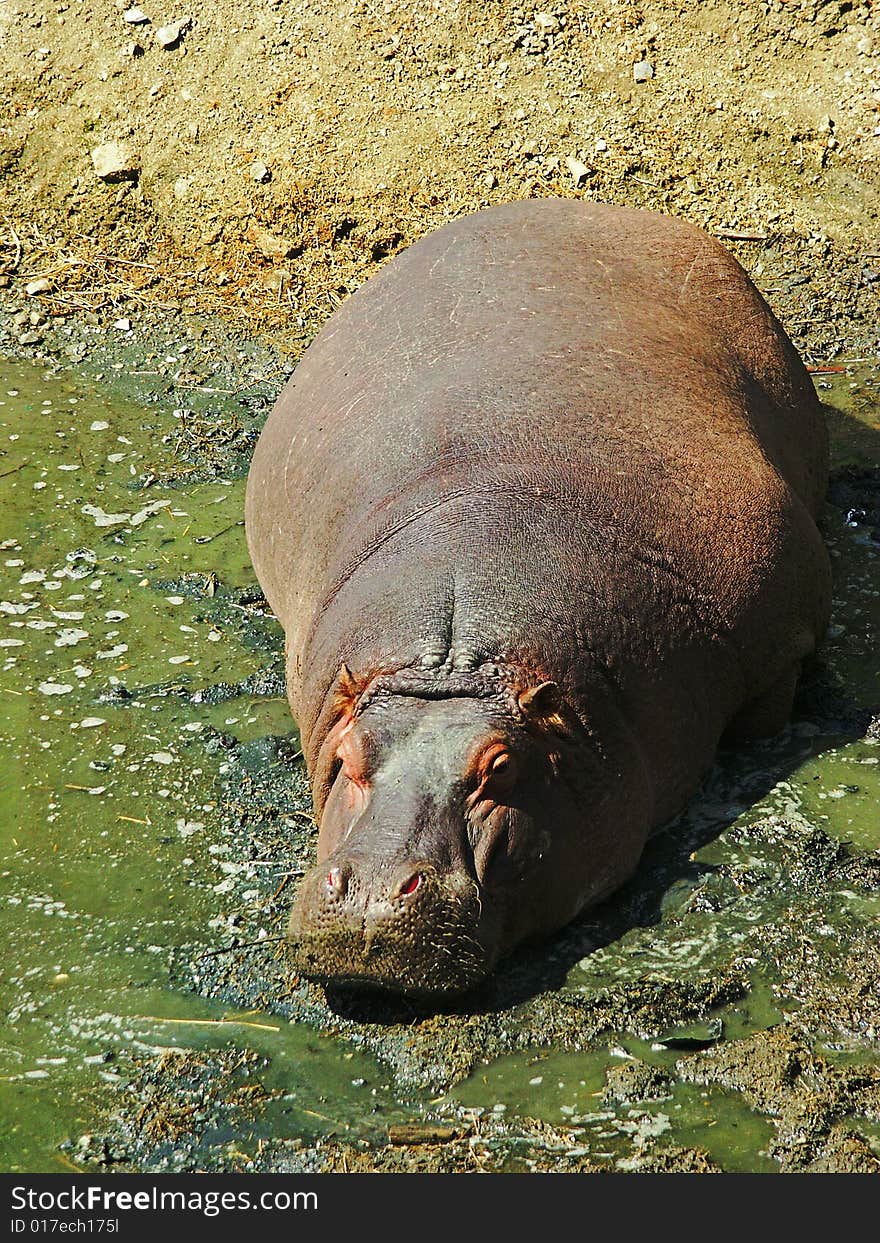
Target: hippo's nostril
<point>409,885</point>
<point>336,882</point>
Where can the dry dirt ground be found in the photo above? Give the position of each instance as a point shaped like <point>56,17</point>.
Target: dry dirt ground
<point>274,154</point>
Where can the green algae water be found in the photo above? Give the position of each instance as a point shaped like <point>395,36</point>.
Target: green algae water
<point>103,803</point>
<point>113,845</point>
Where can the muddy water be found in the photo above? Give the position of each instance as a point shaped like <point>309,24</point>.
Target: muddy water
<point>103,804</point>
<point>113,820</point>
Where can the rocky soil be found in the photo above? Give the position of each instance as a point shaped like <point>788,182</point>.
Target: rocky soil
<point>265,161</point>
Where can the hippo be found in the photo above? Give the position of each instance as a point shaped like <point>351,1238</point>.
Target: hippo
<point>537,513</point>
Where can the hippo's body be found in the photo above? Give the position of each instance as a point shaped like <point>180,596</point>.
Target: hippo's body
<point>537,513</point>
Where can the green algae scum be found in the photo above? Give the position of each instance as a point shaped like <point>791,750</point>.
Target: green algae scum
<point>722,1012</point>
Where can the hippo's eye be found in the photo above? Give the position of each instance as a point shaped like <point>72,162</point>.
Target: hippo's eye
<point>500,772</point>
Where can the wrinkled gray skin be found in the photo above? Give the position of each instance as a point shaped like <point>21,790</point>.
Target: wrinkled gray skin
<point>536,512</point>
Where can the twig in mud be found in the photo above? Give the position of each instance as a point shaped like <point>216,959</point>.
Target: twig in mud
<point>200,388</point>
<point>206,539</point>
<point>280,888</point>
<point>15,469</point>
<point>313,1113</point>
<point>268,863</point>
<point>156,1018</point>
<point>230,949</point>
<point>263,379</point>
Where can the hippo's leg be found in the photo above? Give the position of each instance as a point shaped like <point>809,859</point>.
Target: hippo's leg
<point>765,716</point>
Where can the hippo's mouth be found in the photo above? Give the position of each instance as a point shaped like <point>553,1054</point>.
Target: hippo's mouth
<point>427,944</point>
<point>341,967</point>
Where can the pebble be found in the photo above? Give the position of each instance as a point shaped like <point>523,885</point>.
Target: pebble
<point>577,168</point>
<point>267,243</point>
<point>40,285</point>
<point>114,159</point>
<point>30,338</point>
<point>643,71</point>
<point>547,22</point>
<point>169,35</point>
<point>124,325</point>
<point>259,172</point>
<point>135,17</point>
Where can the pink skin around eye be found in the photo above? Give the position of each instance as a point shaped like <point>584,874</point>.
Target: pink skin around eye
<point>499,769</point>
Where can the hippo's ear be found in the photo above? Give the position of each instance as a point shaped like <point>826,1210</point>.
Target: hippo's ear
<point>346,693</point>
<point>540,702</point>
<point>348,684</point>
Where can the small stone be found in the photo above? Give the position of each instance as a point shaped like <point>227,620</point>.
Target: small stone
<point>40,285</point>
<point>259,172</point>
<point>114,161</point>
<point>168,36</point>
<point>135,17</point>
<point>601,144</point>
<point>124,325</point>
<point>579,171</point>
<point>547,22</point>
<point>267,243</point>
<point>643,71</point>
<point>490,181</point>
<point>30,338</point>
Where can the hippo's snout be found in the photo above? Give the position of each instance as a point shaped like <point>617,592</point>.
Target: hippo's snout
<point>412,929</point>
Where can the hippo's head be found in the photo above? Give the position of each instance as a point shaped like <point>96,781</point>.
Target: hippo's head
<point>452,829</point>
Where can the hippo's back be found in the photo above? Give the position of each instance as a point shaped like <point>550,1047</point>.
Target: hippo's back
<point>532,426</point>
